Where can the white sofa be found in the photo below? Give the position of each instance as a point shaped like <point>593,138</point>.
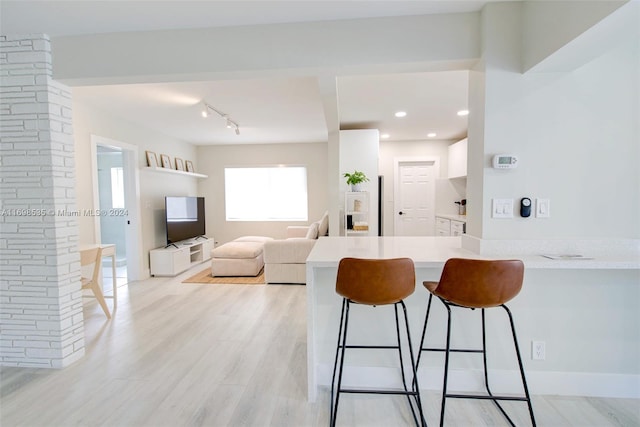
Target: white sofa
<point>285,260</point>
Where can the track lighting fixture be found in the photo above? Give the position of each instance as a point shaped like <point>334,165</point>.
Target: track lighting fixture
<point>229,123</point>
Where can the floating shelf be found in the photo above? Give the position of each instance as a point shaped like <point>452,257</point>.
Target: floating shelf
<point>176,172</point>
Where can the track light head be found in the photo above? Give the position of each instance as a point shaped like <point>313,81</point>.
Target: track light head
<point>228,122</point>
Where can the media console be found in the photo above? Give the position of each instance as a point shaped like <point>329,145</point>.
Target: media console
<point>180,256</point>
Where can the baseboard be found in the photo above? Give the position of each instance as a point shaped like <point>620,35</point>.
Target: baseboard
<point>501,381</point>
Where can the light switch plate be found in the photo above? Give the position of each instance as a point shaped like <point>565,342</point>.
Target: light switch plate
<point>543,208</point>
<point>502,208</point>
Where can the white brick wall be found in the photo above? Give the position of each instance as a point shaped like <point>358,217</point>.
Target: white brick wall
<point>41,323</point>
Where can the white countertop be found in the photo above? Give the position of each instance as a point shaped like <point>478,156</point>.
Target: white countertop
<point>432,252</point>
<point>461,218</point>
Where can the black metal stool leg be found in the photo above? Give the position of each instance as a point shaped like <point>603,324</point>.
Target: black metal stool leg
<point>335,363</point>
<point>402,371</point>
<point>486,371</point>
<point>342,334</point>
<point>520,365</point>
<point>414,367</point>
<point>424,330</point>
<point>484,353</point>
<point>446,364</point>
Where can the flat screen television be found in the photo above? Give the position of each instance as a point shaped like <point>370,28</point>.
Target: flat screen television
<point>184,218</point>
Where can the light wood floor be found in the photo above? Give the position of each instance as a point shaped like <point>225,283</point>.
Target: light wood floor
<point>229,355</point>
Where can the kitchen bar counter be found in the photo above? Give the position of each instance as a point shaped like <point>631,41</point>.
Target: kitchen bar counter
<point>432,252</point>
<point>547,301</point>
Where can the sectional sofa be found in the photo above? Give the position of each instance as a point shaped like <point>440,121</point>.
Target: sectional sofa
<point>285,260</point>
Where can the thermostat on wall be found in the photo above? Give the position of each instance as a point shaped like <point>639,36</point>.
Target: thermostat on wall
<point>505,161</point>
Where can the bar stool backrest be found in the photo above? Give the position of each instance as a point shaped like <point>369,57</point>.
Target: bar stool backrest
<point>479,283</point>
<point>376,281</point>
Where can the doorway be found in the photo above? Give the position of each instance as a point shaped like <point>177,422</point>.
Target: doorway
<point>116,198</point>
<point>111,201</point>
<point>414,197</point>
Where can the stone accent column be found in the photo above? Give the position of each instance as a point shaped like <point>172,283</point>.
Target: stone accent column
<point>41,321</point>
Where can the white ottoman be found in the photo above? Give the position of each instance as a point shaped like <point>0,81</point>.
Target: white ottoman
<point>238,258</point>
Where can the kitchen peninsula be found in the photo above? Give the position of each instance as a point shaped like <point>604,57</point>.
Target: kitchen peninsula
<point>586,310</point>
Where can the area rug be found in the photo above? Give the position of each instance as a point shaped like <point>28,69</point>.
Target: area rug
<point>205,277</point>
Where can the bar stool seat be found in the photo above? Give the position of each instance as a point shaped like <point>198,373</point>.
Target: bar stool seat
<point>375,282</point>
<point>477,284</point>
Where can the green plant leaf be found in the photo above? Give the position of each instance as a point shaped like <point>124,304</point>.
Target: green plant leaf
<point>357,177</point>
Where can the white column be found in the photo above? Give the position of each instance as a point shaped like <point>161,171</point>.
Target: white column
<point>41,319</point>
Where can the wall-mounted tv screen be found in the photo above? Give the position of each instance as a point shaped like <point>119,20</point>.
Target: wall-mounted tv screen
<point>184,218</point>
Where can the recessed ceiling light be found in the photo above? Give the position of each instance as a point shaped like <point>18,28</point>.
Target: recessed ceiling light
<point>463,112</point>
<point>384,135</point>
<point>401,114</point>
<point>431,135</point>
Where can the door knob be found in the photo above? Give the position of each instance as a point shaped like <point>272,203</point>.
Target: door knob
<point>400,213</point>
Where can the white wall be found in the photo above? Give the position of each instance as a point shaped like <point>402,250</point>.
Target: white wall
<point>213,160</point>
<point>576,135</point>
<point>549,25</point>
<point>154,186</point>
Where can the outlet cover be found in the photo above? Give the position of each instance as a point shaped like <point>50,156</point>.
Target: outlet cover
<point>538,350</point>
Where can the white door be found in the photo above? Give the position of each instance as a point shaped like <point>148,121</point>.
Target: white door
<point>414,199</point>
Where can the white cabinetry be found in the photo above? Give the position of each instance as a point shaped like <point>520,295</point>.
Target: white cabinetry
<point>356,213</point>
<point>443,227</point>
<point>449,227</point>
<point>458,159</point>
<point>457,228</point>
<point>173,260</point>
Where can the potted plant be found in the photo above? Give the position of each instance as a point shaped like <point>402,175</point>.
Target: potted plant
<point>355,179</point>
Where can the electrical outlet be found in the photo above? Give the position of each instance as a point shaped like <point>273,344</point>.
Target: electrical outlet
<point>538,350</point>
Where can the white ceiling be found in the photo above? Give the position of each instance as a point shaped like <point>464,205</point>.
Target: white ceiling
<point>63,18</point>
<point>267,110</point>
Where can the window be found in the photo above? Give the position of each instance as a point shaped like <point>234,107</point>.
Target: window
<point>117,188</point>
<point>266,193</point>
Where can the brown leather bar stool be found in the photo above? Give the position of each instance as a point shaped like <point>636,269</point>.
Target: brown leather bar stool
<point>375,282</point>
<point>469,283</point>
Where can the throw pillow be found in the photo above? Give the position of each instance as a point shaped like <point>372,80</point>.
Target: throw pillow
<point>323,229</point>
<point>312,233</point>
